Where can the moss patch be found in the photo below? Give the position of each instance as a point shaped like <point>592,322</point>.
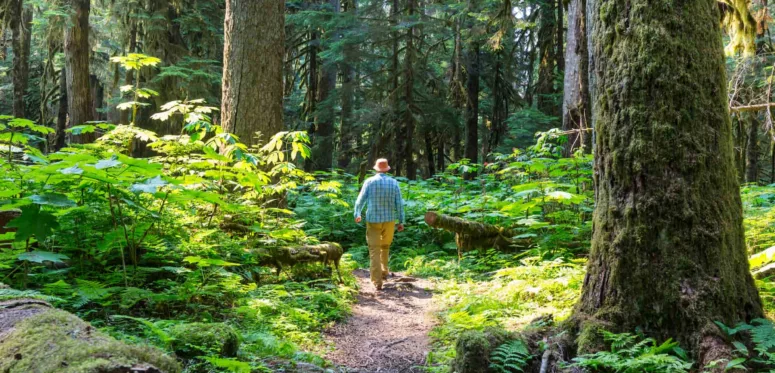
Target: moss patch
<point>473,349</point>
<point>56,341</point>
<point>197,339</point>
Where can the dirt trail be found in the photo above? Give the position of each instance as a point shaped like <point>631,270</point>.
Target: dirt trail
<point>388,331</point>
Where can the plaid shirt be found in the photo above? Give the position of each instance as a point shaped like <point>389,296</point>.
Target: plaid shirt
<point>383,196</point>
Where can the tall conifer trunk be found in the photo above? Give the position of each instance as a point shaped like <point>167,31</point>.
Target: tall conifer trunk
<point>21,26</point>
<point>77,58</point>
<point>668,253</point>
<point>254,46</point>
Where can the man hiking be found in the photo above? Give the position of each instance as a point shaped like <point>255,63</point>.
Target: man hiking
<point>383,196</point>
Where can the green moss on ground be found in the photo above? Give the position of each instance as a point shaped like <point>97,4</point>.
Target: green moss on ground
<point>473,349</point>
<point>198,339</point>
<point>57,341</point>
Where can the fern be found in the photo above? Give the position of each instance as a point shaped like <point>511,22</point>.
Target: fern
<point>763,334</point>
<point>6,294</point>
<point>510,357</point>
<point>163,336</point>
<point>630,354</point>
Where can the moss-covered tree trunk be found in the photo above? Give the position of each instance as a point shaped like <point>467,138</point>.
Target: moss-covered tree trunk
<point>668,252</point>
<point>254,46</point>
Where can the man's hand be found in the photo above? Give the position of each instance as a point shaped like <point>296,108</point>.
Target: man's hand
<point>358,219</point>
<point>400,227</point>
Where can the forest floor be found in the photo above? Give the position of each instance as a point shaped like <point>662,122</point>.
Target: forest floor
<point>388,330</point>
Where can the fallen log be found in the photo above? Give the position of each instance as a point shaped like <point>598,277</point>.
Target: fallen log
<point>764,272</point>
<point>471,235</point>
<point>35,337</point>
<point>327,253</point>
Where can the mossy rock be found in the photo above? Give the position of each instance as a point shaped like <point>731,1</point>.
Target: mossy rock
<point>473,349</point>
<point>51,340</point>
<point>200,339</point>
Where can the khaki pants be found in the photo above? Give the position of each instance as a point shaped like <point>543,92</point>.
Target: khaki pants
<point>379,236</point>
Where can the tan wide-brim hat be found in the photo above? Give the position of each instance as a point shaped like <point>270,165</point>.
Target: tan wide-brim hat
<point>382,165</point>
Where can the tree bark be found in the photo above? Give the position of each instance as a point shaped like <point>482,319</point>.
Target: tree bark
<point>752,150</point>
<point>254,46</point>
<point>21,27</point>
<point>395,101</point>
<point>472,104</point>
<point>668,253</point>
<point>576,101</point>
<point>409,121</point>
<point>77,57</point>
<point>346,137</point>
<point>323,154</point>
<point>130,76</point>
<point>59,135</point>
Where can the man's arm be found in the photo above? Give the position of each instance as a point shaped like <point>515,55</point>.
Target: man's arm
<point>361,201</point>
<point>400,206</point>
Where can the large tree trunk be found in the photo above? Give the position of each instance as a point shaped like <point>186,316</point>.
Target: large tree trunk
<point>35,337</point>
<point>254,46</point>
<point>21,26</point>
<point>323,152</point>
<point>77,56</point>
<point>668,252</point>
<point>576,102</point>
<point>346,137</point>
<point>409,122</point>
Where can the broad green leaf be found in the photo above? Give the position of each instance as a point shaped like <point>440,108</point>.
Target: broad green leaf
<point>34,221</point>
<point>149,186</point>
<point>42,256</point>
<point>52,199</point>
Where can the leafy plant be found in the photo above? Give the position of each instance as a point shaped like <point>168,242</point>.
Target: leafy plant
<point>631,353</point>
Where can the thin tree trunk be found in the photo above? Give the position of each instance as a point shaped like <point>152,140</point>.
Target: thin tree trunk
<point>252,99</point>
<point>752,150</point>
<point>429,153</point>
<point>472,104</point>
<point>457,92</point>
<point>129,79</point>
<point>576,101</point>
<point>440,152</point>
<point>77,57</point>
<point>547,47</point>
<point>59,137</point>
<point>21,27</point>
<point>668,253</point>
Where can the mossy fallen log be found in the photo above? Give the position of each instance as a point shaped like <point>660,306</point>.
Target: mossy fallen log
<point>327,253</point>
<point>35,337</point>
<point>470,235</point>
<point>764,272</point>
